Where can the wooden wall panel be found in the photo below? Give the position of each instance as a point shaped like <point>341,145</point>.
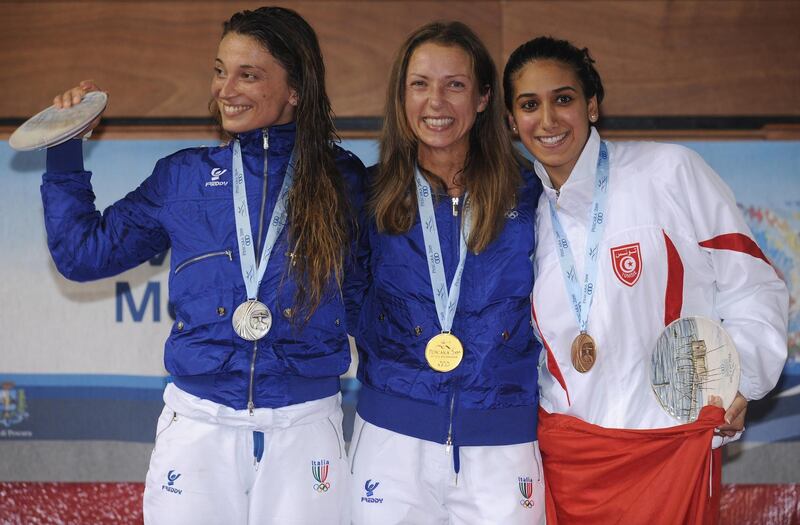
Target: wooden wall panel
<point>718,58</point>
<point>658,58</point>
<point>360,40</point>
<point>156,58</point>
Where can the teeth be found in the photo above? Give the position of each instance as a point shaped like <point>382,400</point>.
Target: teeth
<point>234,110</point>
<point>438,122</point>
<point>553,140</point>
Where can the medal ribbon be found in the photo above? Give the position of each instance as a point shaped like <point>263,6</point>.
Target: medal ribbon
<point>446,300</point>
<point>581,296</point>
<point>251,273</point>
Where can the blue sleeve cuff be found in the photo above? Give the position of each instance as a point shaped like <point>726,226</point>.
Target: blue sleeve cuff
<point>67,156</point>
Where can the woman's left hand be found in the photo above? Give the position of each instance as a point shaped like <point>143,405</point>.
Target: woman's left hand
<point>734,417</point>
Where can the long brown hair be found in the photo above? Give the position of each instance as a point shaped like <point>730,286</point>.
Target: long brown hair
<point>491,169</point>
<point>319,217</point>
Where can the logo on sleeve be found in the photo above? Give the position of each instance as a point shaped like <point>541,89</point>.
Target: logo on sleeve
<point>216,175</point>
<point>627,263</point>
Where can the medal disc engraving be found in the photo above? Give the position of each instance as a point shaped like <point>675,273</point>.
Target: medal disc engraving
<point>444,352</point>
<point>252,320</point>
<point>584,352</point>
<point>694,358</point>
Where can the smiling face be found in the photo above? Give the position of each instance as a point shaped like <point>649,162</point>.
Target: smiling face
<point>442,100</point>
<point>552,114</point>
<point>250,86</point>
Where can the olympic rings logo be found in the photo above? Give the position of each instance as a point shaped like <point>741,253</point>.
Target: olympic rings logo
<point>526,503</point>
<point>322,487</point>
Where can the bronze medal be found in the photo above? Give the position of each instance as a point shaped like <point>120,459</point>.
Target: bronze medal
<point>444,352</point>
<point>584,352</point>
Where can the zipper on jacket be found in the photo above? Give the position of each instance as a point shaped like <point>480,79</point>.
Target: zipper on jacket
<point>250,404</point>
<point>448,445</point>
<point>456,248</point>
<point>263,194</point>
<point>187,262</point>
<point>265,134</point>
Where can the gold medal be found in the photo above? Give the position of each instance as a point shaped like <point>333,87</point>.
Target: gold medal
<point>444,352</point>
<point>584,352</point>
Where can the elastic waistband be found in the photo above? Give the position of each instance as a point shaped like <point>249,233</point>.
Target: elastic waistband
<point>261,419</point>
<point>471,427</point>
<point>289,390</point>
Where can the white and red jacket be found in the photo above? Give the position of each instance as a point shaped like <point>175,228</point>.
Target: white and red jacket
<point>675,244</point>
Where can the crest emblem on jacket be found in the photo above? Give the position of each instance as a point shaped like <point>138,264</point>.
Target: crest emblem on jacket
<point>627,263</point>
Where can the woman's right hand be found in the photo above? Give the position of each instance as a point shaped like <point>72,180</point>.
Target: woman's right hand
<point>75,95</point>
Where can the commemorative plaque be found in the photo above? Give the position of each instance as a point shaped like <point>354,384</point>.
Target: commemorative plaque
<point>694,359</point>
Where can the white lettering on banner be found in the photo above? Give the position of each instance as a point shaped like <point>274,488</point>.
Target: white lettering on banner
<point>11,433</point>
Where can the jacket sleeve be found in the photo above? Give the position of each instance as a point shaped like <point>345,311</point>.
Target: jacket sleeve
<point>86,244</point>
<point>356,272</point>
<point>750,298</point>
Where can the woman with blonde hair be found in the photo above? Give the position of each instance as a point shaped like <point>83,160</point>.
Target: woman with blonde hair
<point>446,426</point>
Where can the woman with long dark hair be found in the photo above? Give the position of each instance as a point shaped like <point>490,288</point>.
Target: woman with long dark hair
<point>251,431</point>
<point>632,237</point>
<point>446,426</point>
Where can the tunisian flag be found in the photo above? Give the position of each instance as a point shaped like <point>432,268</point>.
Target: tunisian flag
<point>595,475</point>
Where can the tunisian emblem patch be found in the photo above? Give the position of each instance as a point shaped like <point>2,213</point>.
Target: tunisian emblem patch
<point>627,263</point>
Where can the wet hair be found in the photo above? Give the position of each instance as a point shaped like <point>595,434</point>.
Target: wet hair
<point>491,169</point>
<point>562,51</point>
<point>319,216</point>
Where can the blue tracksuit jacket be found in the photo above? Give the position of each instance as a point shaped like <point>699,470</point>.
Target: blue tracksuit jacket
<point>491,398</point>
<point>187,205</point>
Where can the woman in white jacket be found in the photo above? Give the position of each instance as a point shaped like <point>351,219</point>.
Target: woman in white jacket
<point>631,236</point>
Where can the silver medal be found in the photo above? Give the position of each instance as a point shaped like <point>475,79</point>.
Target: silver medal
<point>252,320</point>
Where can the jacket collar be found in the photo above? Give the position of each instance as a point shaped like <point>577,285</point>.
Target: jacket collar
<point>576,194</point>
<point>281,139</point>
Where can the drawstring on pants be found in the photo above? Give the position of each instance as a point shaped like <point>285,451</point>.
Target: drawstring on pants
<point>258,447</point>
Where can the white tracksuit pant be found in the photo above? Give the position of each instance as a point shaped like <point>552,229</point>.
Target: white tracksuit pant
<point>205,467</point>
<point>400,479</point>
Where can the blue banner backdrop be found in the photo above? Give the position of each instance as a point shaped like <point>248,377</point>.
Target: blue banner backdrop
<point>84,361</point>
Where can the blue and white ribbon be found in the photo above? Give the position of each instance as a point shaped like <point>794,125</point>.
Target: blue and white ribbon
<point>446,300</point>
<point>251,272</point>
<point>582,293</point>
